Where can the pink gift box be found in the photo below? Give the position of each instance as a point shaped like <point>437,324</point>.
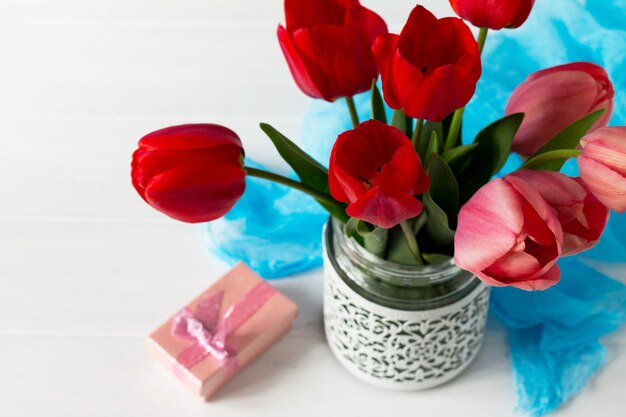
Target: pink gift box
<point>221,331</point>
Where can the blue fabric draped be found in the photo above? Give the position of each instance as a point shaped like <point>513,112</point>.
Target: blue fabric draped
<point>553,334</point>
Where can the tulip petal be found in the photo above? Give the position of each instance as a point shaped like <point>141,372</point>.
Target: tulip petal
<point>555,188</point>
<point>541,222</point>
<point>575,243</point>
<point>345,63</point>
<point>191,136</point>
<point>403,171</point>
<point>590,228</point>
<point>594,70</point>
<point>195,194</point>
<point>489,225</point>
<point>607,185</point>
<point>299,71</point>
<point>306,13</point>
<point>435,96</point>
<point>362,152</point>
<point>609,154</point>
<point>416,33</point>
<point>543,282</point>
<point>582,216</point>
<point>522,14</point>
<point>384,49</point>
<point>493,14</point>
<point>514,265</point>
<point>385,209</point>
<point>373,24</point>
<point>345,184</point>
<point>147,164</point>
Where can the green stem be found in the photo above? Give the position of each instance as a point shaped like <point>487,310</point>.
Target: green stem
<point>539,160</point>
<point>353,114</point>
<point>417,133</point>
<point>457,119</point>
<point>455,128</point>
<point>482,37</point>
<point>411,242</point>
<point>322,197</point>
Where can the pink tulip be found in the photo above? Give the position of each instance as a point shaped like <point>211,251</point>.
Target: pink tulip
<point>603,166</point>
<point>554,98</point>
<point>508,235</point>
<point>582,216</point>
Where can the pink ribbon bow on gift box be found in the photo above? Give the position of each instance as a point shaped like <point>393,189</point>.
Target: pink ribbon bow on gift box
<point>209,331</point>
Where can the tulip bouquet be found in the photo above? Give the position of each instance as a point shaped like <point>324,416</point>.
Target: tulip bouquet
<point>405,184</point>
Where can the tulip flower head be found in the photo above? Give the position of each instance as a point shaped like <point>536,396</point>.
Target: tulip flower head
<point>554,98</point>
<point>431,68</point>
<point>327,45</point>
<point>376,169</point>
<point>193,173</point>
<point>508,235</point>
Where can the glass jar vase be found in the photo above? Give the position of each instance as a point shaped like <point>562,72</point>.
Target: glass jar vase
<point>399,326</point>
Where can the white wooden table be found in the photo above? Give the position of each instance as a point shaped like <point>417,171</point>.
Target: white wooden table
<point>87,269</point>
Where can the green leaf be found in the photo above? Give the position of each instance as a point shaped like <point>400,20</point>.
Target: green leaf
<point>397,248</point>
<point>399,119</point>
<point>451,155</point>
<point>350,229</point>
<point>376,241</point>
<point>373,239</point>
<point>433,147</point>
<point>492,150</point>
<point>435,258</point>
<point>308,169</point>
<point>310,172</point>
<point>446,123</point>
<point>444,188</point>
<point>568,138</point>
<point>378,105</point>
<point>403,122</point>
<point>424,141</point>
<point>549,160</point>
<point>440,235</point>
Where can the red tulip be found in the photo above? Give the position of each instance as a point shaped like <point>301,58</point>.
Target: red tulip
<point>603,166</point>
<point>508,235</point>
<point>582,217</point>
<point>493,14</point>
<point>327,45</point>
<point>431,68</point>
<point>193,173</point>
<point>376,169</point>
<point>554,98</point>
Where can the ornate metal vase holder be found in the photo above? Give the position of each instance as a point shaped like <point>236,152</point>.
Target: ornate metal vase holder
<point>397,326</point>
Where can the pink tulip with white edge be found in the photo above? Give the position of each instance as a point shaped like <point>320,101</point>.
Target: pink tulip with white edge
<point>508,235</point>
<point>554,98</point>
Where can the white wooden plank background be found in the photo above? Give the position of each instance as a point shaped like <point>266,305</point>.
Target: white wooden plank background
<point>87,269</point>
